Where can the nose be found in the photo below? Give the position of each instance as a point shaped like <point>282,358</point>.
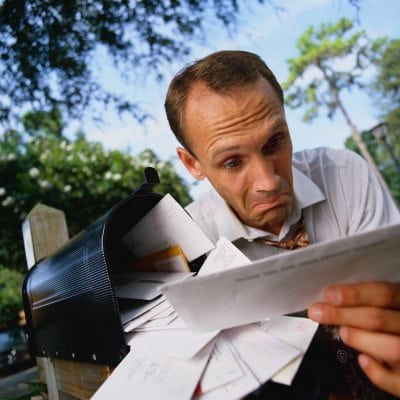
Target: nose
<point>264,176</point>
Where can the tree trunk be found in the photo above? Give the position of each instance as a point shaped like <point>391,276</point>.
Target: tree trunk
<point>356,135</point>
<point>354,131</point>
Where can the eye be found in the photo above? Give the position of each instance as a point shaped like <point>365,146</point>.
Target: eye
<point>274,143</point>
<point>276,140</point>
<point>231,163</point>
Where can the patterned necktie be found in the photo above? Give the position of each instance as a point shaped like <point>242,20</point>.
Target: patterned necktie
<point>298,238</point>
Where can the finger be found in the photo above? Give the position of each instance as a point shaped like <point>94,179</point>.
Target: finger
<point>368,318</point>
<point>377,294</point>
<point>381,346</point>
<point>383,377</point>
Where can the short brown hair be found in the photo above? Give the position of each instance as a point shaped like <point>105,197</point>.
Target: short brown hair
<point>221,71</point>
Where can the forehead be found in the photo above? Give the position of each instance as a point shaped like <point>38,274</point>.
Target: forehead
<point>210,113</point>
<point>201,93</point>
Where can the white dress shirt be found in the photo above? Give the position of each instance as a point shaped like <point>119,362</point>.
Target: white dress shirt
<point>337,192</point>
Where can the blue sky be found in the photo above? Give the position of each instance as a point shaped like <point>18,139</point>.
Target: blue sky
<point>273,36</point>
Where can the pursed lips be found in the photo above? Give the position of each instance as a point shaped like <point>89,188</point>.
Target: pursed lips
<point>269,203</point>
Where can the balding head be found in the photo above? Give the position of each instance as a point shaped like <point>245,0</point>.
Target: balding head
<point>223,71</point>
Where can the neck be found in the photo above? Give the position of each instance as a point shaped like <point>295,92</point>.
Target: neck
<point>274,228</point>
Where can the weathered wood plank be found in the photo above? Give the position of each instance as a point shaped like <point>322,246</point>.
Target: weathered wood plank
<point>80,379</point>
<point>45,230</point>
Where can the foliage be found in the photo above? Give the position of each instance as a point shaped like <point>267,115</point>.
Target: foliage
<point>339,57</point>
<point>387,84</point>
<point>386,91</point>
<point>47,47</point>
<point>383,159</point>
<point>35,389</point>
<point>77,176</point>
<point>331,59</point>
<point>10,296</point>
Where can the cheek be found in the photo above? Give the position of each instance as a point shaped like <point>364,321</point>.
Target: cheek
<point>236,187</point>
<point>231,186</point>
<point>283,168</point>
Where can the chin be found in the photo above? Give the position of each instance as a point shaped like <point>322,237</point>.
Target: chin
<point>271,218</point>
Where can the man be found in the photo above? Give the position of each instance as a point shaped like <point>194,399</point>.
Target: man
<point>227,111</point>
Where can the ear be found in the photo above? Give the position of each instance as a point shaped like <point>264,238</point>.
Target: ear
<point>191,163</point>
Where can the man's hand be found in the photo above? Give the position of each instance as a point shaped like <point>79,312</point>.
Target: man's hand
<point>369,318</point>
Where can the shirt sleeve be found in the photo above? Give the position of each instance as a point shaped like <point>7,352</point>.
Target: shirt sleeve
<point>370,205</point>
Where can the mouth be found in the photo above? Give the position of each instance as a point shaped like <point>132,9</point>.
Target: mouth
<point>269,204</point>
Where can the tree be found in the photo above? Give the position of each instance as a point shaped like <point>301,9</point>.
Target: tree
<point>386,92</point>
<point>383,159</point>
<point>10,297</point>
<point>77,176</point>
<point>327,51</point>
<point>47,47</point>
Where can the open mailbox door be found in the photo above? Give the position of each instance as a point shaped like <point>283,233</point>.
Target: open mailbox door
<point>71,309</point>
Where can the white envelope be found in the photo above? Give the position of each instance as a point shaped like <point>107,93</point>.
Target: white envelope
<point>262,353</point>
<point>127,314</point>
<point>136,322</point>
<point>223,257</point>
<point>177,343</point>
<point>144,285</point>
<point>164,226</point>
<point>284,283</point>
<point>222,367</point>
<point>143,374</point>
<point>236,389</point>
<point>157,323</point>
<point>298,332</point>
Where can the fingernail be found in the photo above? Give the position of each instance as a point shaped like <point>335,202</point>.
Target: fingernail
<point>343,332</point>
<point>363,360</point>
<point>315,313</point>
<point>333,296</point>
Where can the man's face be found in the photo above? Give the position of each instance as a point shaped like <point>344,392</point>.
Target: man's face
<point>240,142</point>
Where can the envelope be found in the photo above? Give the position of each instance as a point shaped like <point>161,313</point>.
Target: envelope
<point>166,225</point>
<point>144,285</point>
<point>284,283</point>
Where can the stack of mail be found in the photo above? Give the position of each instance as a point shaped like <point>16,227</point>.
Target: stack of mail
<point>164,241</point>
<point>167,360</point>
<point>176,364</point>
<point>230,354</point>
<point>141,305</point>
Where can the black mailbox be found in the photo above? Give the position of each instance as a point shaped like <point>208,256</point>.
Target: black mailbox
<point>71,309</point>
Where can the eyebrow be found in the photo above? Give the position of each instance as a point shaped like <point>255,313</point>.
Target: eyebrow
<point>277,123</point>
<point>224,149</point>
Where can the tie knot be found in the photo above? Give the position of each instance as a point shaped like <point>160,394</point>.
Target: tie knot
<point>297,238</point>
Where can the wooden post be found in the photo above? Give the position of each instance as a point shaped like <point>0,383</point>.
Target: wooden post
<point>44,231</point>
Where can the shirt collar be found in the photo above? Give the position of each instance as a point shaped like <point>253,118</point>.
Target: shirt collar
<point>307,193</point>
